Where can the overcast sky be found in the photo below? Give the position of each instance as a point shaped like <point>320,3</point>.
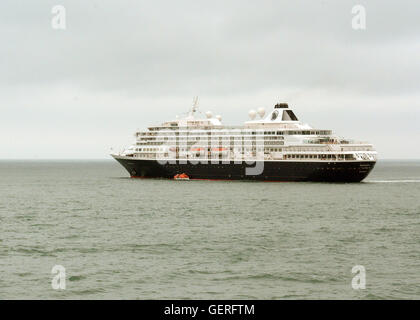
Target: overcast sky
<point>122,65</point>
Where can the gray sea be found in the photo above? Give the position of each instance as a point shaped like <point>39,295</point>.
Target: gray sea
<point>122,238</point>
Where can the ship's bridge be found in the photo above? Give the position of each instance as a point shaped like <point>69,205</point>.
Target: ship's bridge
<point>193,121</point>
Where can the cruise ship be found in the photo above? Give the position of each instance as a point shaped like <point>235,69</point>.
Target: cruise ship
<point>270,146</point>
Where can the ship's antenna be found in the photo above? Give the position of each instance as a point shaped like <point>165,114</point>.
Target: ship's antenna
<point>195,105</point>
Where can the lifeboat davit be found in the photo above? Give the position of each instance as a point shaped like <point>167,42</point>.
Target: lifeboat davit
<point>182,176</point>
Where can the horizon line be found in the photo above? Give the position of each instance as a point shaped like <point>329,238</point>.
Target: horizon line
<point>110,158</point>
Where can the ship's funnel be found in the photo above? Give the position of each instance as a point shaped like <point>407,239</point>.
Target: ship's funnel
<point>281,106</point>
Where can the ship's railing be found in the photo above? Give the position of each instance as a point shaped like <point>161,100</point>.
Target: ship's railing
<point>240,130</point>
<point>296,156</point>
<point>333,141</point>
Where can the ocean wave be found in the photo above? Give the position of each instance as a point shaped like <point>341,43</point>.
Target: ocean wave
<point>393,181</point>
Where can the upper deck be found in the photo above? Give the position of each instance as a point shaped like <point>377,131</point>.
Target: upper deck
<point>276,135</point>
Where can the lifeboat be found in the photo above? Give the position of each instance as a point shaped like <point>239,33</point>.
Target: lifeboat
<point>182,176</point>
<point>218,149</point>
<point>197,149</point>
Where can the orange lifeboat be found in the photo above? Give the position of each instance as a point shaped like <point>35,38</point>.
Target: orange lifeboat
<point>182,176</point>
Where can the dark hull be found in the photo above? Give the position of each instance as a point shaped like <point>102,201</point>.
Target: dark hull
<point>350,171</point>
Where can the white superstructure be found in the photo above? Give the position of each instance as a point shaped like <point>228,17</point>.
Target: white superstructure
<point>276,135</point>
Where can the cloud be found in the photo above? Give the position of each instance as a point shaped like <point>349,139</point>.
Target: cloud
<point>125,64</point>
